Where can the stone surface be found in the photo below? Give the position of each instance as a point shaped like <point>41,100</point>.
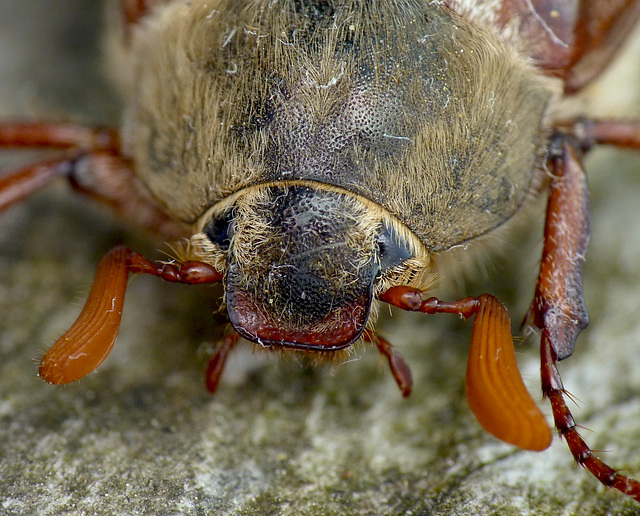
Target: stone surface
<point>141,435</point>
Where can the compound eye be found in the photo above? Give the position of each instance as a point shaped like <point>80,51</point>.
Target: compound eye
<point>392,250</point>
<point>220,230</point>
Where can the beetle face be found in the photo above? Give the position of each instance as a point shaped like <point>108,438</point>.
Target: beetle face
<point>302,261</point>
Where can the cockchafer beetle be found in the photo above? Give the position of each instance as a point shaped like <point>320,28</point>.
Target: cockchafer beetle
<point>317,156</point>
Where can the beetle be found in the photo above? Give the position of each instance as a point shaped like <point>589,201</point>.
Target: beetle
<point>317,157</point>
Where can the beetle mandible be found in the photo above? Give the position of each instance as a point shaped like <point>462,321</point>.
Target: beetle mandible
<point>320,156</point>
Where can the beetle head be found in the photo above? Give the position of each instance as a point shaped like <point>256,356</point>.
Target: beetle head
<point>302,261</point>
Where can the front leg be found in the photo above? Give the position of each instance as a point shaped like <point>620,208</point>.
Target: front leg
<point>558,308</point>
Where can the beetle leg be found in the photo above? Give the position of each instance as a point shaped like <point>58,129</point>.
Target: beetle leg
<point>93,165</point>
<point>90,339</point>
<point>218,360</point>
<point>620,133</point>
<point>110,180</point>
<point>17,185</point>
<point>558,308</point>
<point>564,422</point>
<point>59,136</point>
<point>399,368</point>
<point>495,390</point>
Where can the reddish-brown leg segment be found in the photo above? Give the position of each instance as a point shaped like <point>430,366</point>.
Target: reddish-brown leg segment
<point>621,133</point>
<point>495,390</point>
<point>218,360</point>
<point>558,305</point>
<point>399,368</point>
<point>51,135</point>
<point>17,185</point>
<point>90,339</point>
<point>20,184</point>
<point>558,309</point>
<point>92,163</point>
<point>564,422</point>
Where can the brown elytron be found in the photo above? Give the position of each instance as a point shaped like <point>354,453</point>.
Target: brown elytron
<point>319,156</point>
